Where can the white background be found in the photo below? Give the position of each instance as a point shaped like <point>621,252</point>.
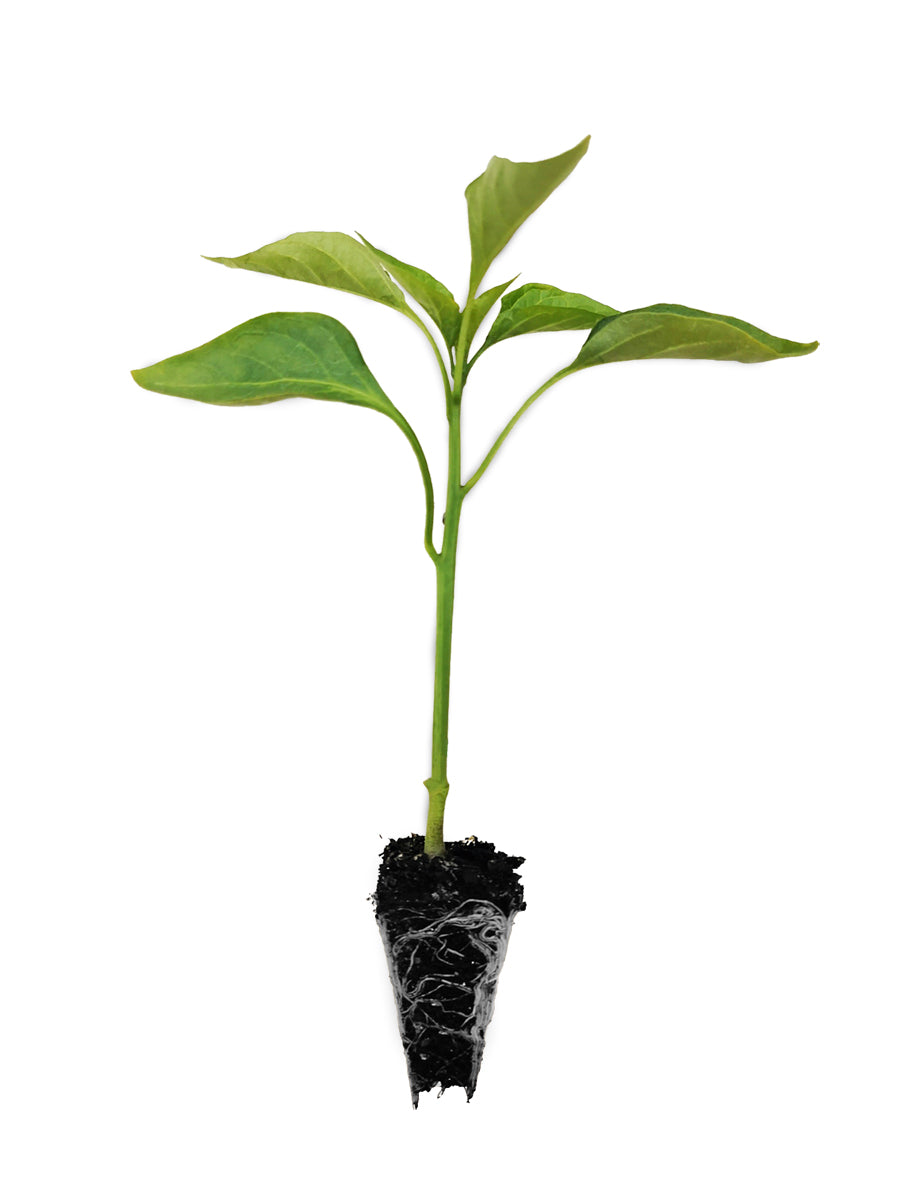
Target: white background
<point>675,679</point>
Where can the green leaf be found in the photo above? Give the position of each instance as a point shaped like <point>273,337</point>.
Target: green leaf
<point>436,299</point>
<point>271,358</point>
<point>672,331</point>
<point>333,260</point>
<point>539,308</point>
<point>481,305</point>
<point>504,197</point>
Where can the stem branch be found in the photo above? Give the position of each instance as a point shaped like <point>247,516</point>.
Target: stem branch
<point>467,487</point>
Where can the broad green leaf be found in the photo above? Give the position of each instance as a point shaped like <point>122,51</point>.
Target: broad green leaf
<point>333,260</point>
<point>504,197</point>
<point>539,308</point>
<point>672,331</point>
<point>436,299</point>
<point>271,358</point>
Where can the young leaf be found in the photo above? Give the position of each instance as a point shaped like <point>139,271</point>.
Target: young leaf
<point>672,331</point>
<point>436,299</point>
<point>475,312</point>
<point>504,197</point>
<point>333,260</point>
<point>539,308</point>
<point>271,358</point>
<point>481,305</point>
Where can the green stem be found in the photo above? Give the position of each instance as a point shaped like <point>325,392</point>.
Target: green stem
<point>402,422</point>
<point>445,570</point>
<point>413,316</point>
<point>473,360</point>
<point>467,487</point>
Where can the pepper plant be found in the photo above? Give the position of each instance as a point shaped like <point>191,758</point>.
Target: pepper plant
<point>280,355</point>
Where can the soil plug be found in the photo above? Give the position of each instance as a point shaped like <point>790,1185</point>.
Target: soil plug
<point>444,910</point>
<point>445,921</point>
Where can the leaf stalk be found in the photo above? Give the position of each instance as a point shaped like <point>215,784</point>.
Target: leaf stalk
<point>402,422</point>
<point>507,429</point>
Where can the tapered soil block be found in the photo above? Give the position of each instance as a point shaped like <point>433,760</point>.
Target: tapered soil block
<point>445,923</point>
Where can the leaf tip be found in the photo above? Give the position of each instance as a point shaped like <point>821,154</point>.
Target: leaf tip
<point>801,348</point>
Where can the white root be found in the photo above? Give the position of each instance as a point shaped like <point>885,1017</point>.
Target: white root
<point>438,1001</point>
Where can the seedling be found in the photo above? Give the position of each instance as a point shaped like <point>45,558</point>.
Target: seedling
<point>445,910</point>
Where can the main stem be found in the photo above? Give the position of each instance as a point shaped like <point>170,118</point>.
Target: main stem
<point>445,568</point>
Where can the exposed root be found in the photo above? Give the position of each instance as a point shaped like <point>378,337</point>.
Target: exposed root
<point>444,975</point>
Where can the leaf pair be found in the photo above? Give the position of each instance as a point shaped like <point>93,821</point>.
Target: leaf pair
<point>499,202</point>
<point>338,261</point>
<point>280,355</point>
<point>658,331</point>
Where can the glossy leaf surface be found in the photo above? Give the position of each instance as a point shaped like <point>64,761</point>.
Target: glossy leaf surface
<point>333,260</point>
<point>436,299</point>
<point>502,198</point>
<point>539,308</point>
<point>271,358</point>
<point>672,331</point>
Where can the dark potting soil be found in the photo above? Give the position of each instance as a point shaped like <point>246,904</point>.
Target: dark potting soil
<point>445,923</point>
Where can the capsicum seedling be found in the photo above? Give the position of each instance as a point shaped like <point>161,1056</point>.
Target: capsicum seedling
<point>285,354</point>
